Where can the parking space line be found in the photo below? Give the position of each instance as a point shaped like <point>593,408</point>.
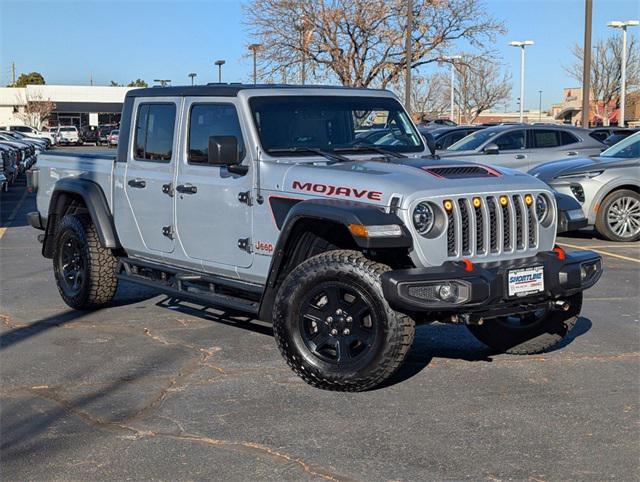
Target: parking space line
<point>613,246</point>
<point>606,253</point>
<point>2,231</point>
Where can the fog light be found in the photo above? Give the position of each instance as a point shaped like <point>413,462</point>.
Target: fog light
<point>578,192</point>
<point>589,271</point>
<point>448,292</point>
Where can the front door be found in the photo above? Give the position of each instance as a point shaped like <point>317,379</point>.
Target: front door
<point>213,225</point>
<point>512,154</point>
<point>149,172</point>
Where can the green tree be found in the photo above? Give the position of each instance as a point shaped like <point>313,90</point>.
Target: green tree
<point>32,78</point>
<point>137,83</point>
<point>115,84</point>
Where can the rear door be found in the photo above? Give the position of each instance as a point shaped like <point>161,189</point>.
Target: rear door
<point>150,169</point>
<point>214,226</point>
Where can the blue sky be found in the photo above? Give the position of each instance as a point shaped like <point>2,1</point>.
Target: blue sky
<point>67,41</point>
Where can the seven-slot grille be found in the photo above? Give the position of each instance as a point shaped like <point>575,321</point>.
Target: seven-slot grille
<point>490,225</point>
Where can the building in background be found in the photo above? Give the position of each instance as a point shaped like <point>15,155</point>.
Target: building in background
<point>53,105</point>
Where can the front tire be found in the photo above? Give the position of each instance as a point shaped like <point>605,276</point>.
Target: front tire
<point>85,271</point>
<point>333,326</point>
<point>618,218</point>
<point>531,333</point>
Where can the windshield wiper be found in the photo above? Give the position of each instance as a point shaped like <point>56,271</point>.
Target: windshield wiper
<point>379,150</point>
<point>328,155</point>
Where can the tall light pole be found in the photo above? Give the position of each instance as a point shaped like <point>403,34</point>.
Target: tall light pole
<point>254,48</point>
<point>219,63</point>
<point>623,67</point>
<point>452,59</point>
<point>540,107</point>
<point>408,55</point>
<point>586,63</point>
<point>521,44</point>
<point>193,75</point>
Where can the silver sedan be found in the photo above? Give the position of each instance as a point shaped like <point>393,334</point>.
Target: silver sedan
<point>607,186</point>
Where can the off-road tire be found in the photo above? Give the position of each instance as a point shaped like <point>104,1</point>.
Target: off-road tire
<point>347,267</point>
<point>529,339</point>
<point>99,283</point>
<point>601,217</point>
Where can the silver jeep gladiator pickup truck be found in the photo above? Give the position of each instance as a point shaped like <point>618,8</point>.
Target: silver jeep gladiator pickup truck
<point>318,209</point>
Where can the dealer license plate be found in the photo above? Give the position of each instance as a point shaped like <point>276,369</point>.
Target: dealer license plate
<point>526,281</point>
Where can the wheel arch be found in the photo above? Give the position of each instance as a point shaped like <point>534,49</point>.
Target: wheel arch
<point>310,227</point>
<point>80,195</point>
<point>608,189</point>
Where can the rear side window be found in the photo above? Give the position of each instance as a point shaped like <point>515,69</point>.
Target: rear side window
<point>208,120</point>
<point>154,132</point>
<point>546,138</point>
<point>568,138</point>
<point>599,135</point>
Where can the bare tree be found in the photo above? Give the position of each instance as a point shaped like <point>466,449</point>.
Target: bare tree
<point>606,73</point>
<point>36,109</point>
<point>429,94</point>
<point>481,84</point>
<point>360,42</point>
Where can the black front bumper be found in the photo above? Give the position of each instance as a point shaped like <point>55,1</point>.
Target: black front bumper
<point>486,285</point>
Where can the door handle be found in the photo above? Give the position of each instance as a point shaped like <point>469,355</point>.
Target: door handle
<point>139,183</point>
<point>186,189</point>
<point>520,156</point>
<point>572,153</point>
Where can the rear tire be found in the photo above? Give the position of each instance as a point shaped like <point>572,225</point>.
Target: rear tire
<point>536,336</point>
<point>85,271</point>
<point>612,212</point>
<point>333,326</point>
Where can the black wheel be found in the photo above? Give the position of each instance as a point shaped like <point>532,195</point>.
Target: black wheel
<point>618,218</point>
<point>85,272</point>
<point>333,325</point>
<point>531,333</point>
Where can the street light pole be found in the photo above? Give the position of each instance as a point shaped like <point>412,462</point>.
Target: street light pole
<point>540,107</point>
<point>193,76</point>
<point>219,63</point>
<point>522,45</point>
<point>452,59</point>
<point>586,63</point>
<point>623,67</point>
<point>254,48</point>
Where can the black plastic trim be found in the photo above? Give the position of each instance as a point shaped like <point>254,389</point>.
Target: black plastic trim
<point>567,203</point>
<point>34,220</point>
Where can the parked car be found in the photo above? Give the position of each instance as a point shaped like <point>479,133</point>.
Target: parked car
<point>607,186</point>
<point>69,135</point>
<point>39,144</point>
<point>103,133</point>
<point>523,146</point>
<point>619,134</point>
<point>113,138</point>
<point>343,246</point>
<point>10,162</point>
<point>26,152</point>
<point>31,132</point>
<point>89,134</point>
<point>435,123</point>
<point>446,136</point>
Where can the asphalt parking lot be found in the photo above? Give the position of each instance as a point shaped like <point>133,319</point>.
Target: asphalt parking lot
<point>149,389</point>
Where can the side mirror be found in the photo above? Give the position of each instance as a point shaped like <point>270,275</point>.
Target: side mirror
<point>491,148</point>
<point>431,142</point>
<point>223,151</point>
<point>438,145</point>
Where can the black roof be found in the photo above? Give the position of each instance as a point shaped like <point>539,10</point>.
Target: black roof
<point>224,90</point>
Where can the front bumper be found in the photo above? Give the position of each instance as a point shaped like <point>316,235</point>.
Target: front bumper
<point>485,286</point>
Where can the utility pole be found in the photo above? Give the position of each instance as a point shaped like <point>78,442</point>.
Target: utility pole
<point>91,79</point>
<point>408,55</point>
<point>540,107</point>
<point>13,74</point>
<point>586,66</point>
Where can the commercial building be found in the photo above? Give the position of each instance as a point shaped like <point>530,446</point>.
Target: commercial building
<point>53,105</point>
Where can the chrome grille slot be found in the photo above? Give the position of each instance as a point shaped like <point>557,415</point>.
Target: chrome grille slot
<point>490,228</point>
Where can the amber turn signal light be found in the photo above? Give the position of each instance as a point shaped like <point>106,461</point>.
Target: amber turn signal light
<point>476,202</point>
<point>448,205</point>
<point>504,200</point>
<point>528,199</point>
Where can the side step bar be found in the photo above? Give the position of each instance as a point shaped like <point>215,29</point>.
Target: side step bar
<point>203,289</point>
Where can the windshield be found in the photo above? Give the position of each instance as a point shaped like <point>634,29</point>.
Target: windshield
<point>333,122</point>
<point>472,141</point>
<point>629,147</point>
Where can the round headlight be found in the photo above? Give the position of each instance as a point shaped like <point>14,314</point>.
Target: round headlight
<point>423,218</point>
<point>542,207</point>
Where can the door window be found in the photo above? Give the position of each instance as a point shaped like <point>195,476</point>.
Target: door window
<point>546,138</point>
<point>208,120</point>
<point>511,140</point>
<point>154,132</point>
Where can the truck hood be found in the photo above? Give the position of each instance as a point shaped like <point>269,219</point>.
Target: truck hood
<point>377,182</point>
<point>550,170</point>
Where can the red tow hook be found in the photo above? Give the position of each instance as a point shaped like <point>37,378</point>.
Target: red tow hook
<point>468,265</point>
<point>560,253</point>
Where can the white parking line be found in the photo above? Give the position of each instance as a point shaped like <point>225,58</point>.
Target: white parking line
<point>606,253</point>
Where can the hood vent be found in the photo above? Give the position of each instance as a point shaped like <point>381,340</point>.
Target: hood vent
<point>462,172</point>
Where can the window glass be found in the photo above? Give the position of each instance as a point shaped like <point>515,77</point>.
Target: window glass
<point>154,132</point>
<point>599,135</point>
<point>511,140</point>
<point>568,138</point>
<point>627,148</point>
<point>473,140</point>
<point>546,138</point>
<point>212,120</point>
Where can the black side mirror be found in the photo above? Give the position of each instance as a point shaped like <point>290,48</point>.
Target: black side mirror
<point>491,148</point>
<point>431,142</point>
<point>223,151</point>
<point>438,145</point>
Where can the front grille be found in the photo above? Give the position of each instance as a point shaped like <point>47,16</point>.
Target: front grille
<point>490,227</point>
